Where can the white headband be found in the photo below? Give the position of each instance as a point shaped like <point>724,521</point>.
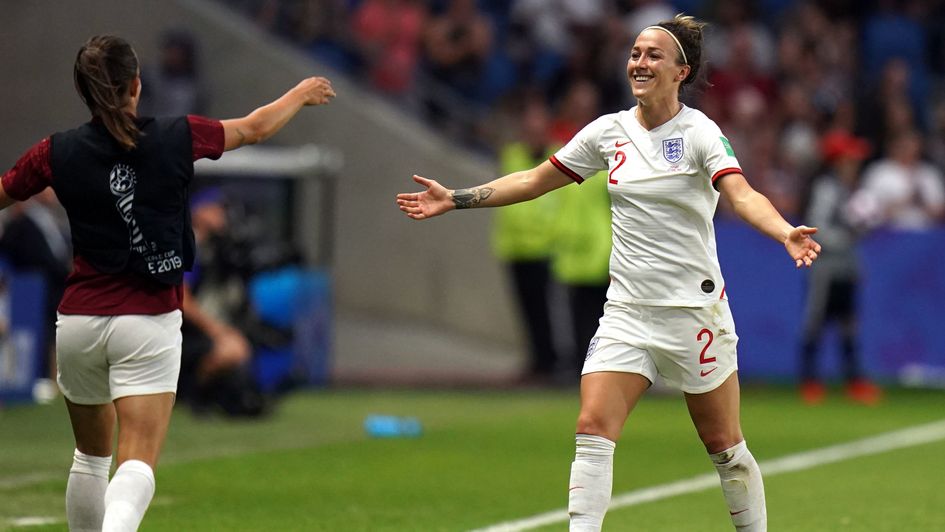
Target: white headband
<point>681,51</point>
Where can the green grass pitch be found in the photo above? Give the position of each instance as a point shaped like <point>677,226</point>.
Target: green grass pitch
<point>485,458</point>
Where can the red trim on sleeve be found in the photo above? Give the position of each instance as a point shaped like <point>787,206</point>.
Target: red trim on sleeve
<point>207,135</point>
<point>722,295</point>
<point>724,172</point>
<point>564,169</point>
<point>31,174</point>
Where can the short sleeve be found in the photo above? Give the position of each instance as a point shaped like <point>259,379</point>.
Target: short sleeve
<point>31,174</point>
<point>718,156</point>
<point>207,136</point>
<point>581,157</point>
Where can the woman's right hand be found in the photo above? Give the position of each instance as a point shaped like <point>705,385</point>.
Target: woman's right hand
<point>433,201</point>
<point>316,90</point>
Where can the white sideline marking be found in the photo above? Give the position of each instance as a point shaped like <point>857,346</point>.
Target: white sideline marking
<point>34,521</point>
<point>27,480</point>
<point>889,441</point>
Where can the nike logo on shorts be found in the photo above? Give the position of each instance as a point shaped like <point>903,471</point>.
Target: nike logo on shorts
<point>705,372</point>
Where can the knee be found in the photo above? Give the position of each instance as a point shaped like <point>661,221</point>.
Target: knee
<point>716,441</point>
<point>597,425</point>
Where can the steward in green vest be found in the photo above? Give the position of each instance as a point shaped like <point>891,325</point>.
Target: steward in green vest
<point>522,239</point>
<point>580,258</point>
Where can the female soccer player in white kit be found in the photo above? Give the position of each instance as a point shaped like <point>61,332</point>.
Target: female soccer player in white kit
<point>667,313</point>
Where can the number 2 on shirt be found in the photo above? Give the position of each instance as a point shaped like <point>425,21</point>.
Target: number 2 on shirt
<point>622,158</point>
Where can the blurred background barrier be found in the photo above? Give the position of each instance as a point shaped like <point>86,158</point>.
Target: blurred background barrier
<point>22,332</point>
<point>900,307</point>
<point>300,300</point>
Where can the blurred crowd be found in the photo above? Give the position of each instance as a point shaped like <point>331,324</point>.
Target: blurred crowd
<point>782,75</point>
<point>834,108</point>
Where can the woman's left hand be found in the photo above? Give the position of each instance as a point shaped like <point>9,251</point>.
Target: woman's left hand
<point>801,247</point>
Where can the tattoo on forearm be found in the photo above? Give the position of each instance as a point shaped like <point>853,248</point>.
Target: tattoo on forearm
<point>466,198</point>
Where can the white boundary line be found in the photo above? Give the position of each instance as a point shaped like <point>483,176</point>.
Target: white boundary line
<point>889,441</point>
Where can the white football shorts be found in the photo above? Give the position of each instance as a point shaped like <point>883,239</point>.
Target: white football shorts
<point>691,348</point>
<point>103,358</point>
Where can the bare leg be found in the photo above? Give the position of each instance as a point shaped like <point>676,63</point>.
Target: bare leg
<point>142,426</point>
<point>93,427</point>
<point>716,417</point>
<point>607,398</point>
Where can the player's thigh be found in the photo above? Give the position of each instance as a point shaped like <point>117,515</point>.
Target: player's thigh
<point>695,348</point>
<point>82,367</point>
<point>144,353</point>
<point>142,426</point>
<point>607,398</point>
<point>715,414</point>
<point>93,427</point>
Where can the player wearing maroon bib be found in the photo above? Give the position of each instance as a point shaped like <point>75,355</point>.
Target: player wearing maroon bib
<point>123,181</point>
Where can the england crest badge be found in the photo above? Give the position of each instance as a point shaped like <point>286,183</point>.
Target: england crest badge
<point>673,150</point>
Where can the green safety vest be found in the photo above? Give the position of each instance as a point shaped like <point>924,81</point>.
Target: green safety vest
<point>583,234</point>
<point>524,231</point>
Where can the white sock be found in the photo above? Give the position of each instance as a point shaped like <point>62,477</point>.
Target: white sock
<point>128,496</point>
<point>85,492</point>
<point>743,488</point>
<point>592,476</point>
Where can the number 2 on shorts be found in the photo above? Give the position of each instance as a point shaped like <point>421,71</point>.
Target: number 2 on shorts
<point>702,358</point>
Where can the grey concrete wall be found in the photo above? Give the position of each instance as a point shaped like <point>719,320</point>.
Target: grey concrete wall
<point>439,271</point>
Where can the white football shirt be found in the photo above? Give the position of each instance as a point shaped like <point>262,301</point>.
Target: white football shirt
<point>662,203</point>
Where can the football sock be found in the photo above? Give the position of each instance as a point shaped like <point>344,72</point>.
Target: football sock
<point>85,492</point>
<point>592,476</point>
<point>128,496</point>
<point>743,488</point>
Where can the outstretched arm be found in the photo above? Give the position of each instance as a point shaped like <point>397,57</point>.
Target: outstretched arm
<point>512,188</point>
<point>754,208</point>
<point>268,119</point>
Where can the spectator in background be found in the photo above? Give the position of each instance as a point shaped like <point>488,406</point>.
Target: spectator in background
<point>901,190</point>
<point>580,105</point>
<point>539,40</point>
<point>581,262</point>
<point>174,85</point>
<point>886,111</point>
<point>5,356</point>
<point>215,358</point>
<point>388,34</point>
<point>35,238</point>
<point>832,288</point>
<point>740,72</point>
<point>457,45</point>
<point>522,240</point>
<point>893,31</point>
<point>321,27</point>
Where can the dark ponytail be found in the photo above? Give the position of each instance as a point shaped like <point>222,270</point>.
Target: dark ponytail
<point>104,69</point>
<point>688,31</point>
